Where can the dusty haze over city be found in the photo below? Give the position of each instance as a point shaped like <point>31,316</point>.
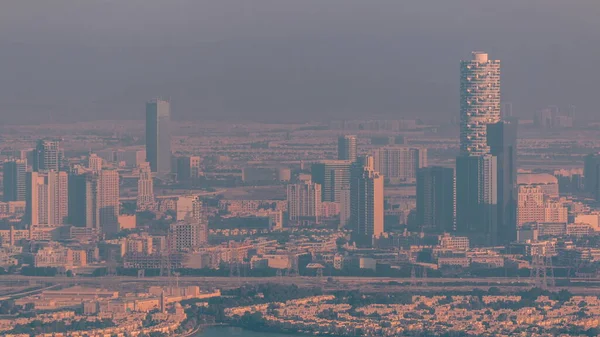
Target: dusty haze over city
<point>280,60</point>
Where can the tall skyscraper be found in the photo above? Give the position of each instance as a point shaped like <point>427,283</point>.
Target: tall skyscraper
<point>304,201</point>
<point>502,140</point>
<point>145,197</point>
<point>108,199</point>
<point>366,206</point>
<point>477,198</point>
<point>591,174</point>
<point>83,191</point>
<point>58,197</point>
<point>435,199</point>
<point>479,102</point>
<point>47,199</point>
<point>14,180</point>
<point>345,205</point>
<point>158,136</point>
<point>47,155</point>
<point>347,148</point>
<point>94,199</point>
<point>36,197</point>
<point>399,163</point>
<point>94,163</point>
<point>333,176</point>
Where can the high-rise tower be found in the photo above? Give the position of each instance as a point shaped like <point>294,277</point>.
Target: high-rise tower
<point>347,148</point>
<point>94,163</point>
<point>333,176</point>
<point>502,140</point>
<point>145,197</point>
<point>366,204</point>
<point>108,199</point>
<point>591,174</point>
<point>14,180</point>
<point>304,201</point>
<point>158,136</point>
<point>435,199</point>
<point>94,199</point>
<point>477,198</point>
<point>479,102</point>
<point>47,155</point>
<point>58,197</point>
<point>47,198</point>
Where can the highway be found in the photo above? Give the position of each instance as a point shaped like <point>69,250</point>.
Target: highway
<point>191,192</point>
<point>372,284</point>
<point>26,293</point>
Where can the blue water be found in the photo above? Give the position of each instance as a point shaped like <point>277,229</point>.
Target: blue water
<point>221,331</point>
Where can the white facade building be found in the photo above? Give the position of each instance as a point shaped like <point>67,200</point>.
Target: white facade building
<point>479,102</point>
<point>400,162</point>
<point>304,201</point>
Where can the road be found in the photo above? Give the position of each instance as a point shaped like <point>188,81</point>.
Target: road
<point>375,284</point>
<point>29,292</point>
<point>192,192</point>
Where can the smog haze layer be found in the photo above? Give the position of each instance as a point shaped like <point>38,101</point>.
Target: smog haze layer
<point>281,60</point>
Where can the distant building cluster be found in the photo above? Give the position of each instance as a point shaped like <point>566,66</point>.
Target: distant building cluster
<point>397,198</point>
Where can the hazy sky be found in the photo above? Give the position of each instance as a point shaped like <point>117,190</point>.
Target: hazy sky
<point>289,60</point>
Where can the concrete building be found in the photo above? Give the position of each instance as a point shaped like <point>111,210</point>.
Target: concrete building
<point>145,196</point>
<point>94,163</point>
<point>502,140</point>
<point>94,200</point>
<point>47,155</point>
<point>448,241</point>
<point>533,206</point>
<point>139,244</point>
<point>333,176</point>
<point>399,163</point>
<point>435,199</point>
<point>479,102</point>
<point>158,135</point>
<point>304,202</point>
<point>191,229</point>
<point>344,206</point>
<point>346,147</point>
<point>108,202</point>
<point>593,220</point>
<point>36,210</point>
<point>276,220</point>
<point>530,207</point>
<point>124,158</point>
<point>58,197</point>
<point>188,167</point>
<point>547,182</point>
<point>186,206</point>
<point>60,257</point>
<point>366,210</point>
<point>47,198</point>
<point>187,235</point>
<point>555,212</point>
<point>13,180</point>
<point>591,174</point>
<point>477,198</point>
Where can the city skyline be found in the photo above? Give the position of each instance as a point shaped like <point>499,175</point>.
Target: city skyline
<point>319,168</point>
